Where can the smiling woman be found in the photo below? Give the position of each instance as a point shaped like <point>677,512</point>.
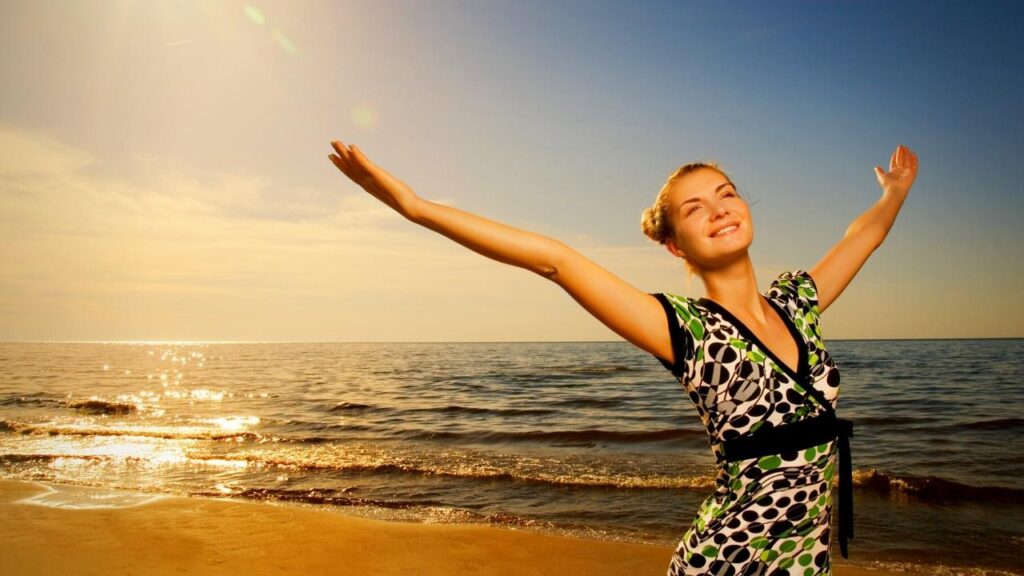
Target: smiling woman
<point>657,221</point>
<point>754,365</point>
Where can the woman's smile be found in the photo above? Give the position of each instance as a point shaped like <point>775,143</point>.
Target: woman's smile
<point>728,230</point>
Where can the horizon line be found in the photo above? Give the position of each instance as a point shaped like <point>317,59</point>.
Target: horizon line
<point>186,342</point>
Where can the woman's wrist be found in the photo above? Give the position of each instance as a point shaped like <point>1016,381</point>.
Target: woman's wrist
<point>411,207</point>
<point>894,191</point>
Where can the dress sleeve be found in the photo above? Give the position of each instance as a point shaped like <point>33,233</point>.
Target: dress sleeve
<point>682,338</point>
<point>797,287</point>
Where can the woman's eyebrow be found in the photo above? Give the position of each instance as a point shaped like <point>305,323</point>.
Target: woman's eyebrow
<point>697,198</point>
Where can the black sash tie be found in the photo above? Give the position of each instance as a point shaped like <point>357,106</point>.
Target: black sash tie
<point>801,435</point>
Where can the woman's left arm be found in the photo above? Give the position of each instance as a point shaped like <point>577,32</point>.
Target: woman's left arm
<point>837,268</point>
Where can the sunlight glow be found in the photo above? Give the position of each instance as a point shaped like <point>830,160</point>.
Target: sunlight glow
<point>364,115</point>
<point>235,423</point>
<point>284,42</point>
<point>254,14</point>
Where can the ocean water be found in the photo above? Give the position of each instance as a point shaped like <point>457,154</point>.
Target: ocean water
<point>591,439</point>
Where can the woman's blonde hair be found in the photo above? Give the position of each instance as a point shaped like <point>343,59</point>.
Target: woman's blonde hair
<point>656,221</point>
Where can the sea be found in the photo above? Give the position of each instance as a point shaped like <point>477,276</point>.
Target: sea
<point>590,439</point>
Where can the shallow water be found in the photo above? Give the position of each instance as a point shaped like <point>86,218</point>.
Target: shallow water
<point>594,439</point>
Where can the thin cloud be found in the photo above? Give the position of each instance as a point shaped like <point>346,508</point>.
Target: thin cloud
<point>193,256</point>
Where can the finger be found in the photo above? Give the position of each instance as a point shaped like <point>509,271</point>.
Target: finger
<point>336,161</point>
<point>341,163</point>
<point>349,167</point>
<point>344,153</point>
<point>364,163</point>
<point>349,157</point>
<point>892,160</point>
<point>358,155</point>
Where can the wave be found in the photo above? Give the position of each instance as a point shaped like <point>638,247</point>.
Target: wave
<point>475,410</point>
<point>17,458</point>
<point>562,373</point>
<point>937,423</point>
<point>994,424</point>
<point>943,426</point>
<point>594,369</point>
<point>90,406</point>
<point>484,471</point>
<point>927,488</point>
<point>933,487</point>
<point>336,497</point>
<point>892,420</point>
<point>168,433</point>
<point>331,496</point>
<point>592,402</point>
<point>34,399</point>
<point>363,408</point>
<point>325,432</point>
<point>560,436</point>
<point>355,407</point>
<point>103,407</point>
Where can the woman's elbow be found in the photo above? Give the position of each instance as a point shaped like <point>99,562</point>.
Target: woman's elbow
<point>553,261</point>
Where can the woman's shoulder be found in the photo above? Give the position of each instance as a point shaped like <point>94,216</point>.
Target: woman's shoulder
<point>686,309</point>
<point>686,328</point>
<point>795,288</point>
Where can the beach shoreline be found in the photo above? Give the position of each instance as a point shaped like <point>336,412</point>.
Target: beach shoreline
<point>154,535</point>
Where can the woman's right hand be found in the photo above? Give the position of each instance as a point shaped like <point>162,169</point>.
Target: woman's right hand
<point>385,187</point>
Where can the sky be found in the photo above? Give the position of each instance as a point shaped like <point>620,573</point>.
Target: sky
<point>164,171</point>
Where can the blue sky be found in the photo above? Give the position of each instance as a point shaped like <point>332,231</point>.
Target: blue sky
<point>165,172</point>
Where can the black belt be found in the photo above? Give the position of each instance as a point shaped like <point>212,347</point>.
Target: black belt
<point>800,436</point>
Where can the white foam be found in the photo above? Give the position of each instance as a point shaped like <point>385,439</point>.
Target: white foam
<point>87,498</point>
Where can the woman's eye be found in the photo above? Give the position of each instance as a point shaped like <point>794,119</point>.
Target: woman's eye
<point>692,210</point>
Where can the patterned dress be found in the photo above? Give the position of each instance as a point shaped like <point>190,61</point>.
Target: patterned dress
<point>770,515</point>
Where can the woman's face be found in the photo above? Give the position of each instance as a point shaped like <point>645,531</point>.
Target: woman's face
<point>704,203</point>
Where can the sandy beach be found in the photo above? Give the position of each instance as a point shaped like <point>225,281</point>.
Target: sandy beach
<point>178,535</point>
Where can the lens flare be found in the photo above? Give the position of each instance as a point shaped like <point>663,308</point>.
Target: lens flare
<point>254,14</point>
<point>364,115</point>
<point>284,42</point>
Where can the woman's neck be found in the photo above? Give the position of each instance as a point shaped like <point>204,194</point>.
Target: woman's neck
<point>734,286</point>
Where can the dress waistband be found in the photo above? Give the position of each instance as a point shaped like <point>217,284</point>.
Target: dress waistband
<point>799,436</point>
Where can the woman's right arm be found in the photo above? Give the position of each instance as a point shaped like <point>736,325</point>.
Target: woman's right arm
<point>495,240</point>
<point>632,313</point>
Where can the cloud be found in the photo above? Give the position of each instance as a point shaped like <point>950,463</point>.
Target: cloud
<point>162,252</point>
<point>79,238</point>
<point>24,154</point>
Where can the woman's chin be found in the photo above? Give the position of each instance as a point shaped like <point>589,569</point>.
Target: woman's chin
<point>728,254</point>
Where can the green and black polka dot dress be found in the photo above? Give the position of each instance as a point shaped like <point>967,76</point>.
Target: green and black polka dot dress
<point>770,515</point>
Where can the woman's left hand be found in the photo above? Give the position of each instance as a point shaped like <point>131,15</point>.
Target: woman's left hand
<point>902,171</point>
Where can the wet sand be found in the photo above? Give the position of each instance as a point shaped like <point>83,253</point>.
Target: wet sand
<point>204,536</point>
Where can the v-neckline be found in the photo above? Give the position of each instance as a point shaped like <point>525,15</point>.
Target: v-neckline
<point>799,374</point>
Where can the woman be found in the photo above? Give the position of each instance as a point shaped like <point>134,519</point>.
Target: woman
<point>753,364</point>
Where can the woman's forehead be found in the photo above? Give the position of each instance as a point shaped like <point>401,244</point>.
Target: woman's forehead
<point>699,182</point>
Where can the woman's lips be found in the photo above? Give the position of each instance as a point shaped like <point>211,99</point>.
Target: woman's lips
<point>726,231</point>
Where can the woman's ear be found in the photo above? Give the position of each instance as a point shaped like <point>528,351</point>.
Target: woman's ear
<point>674,250</point>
